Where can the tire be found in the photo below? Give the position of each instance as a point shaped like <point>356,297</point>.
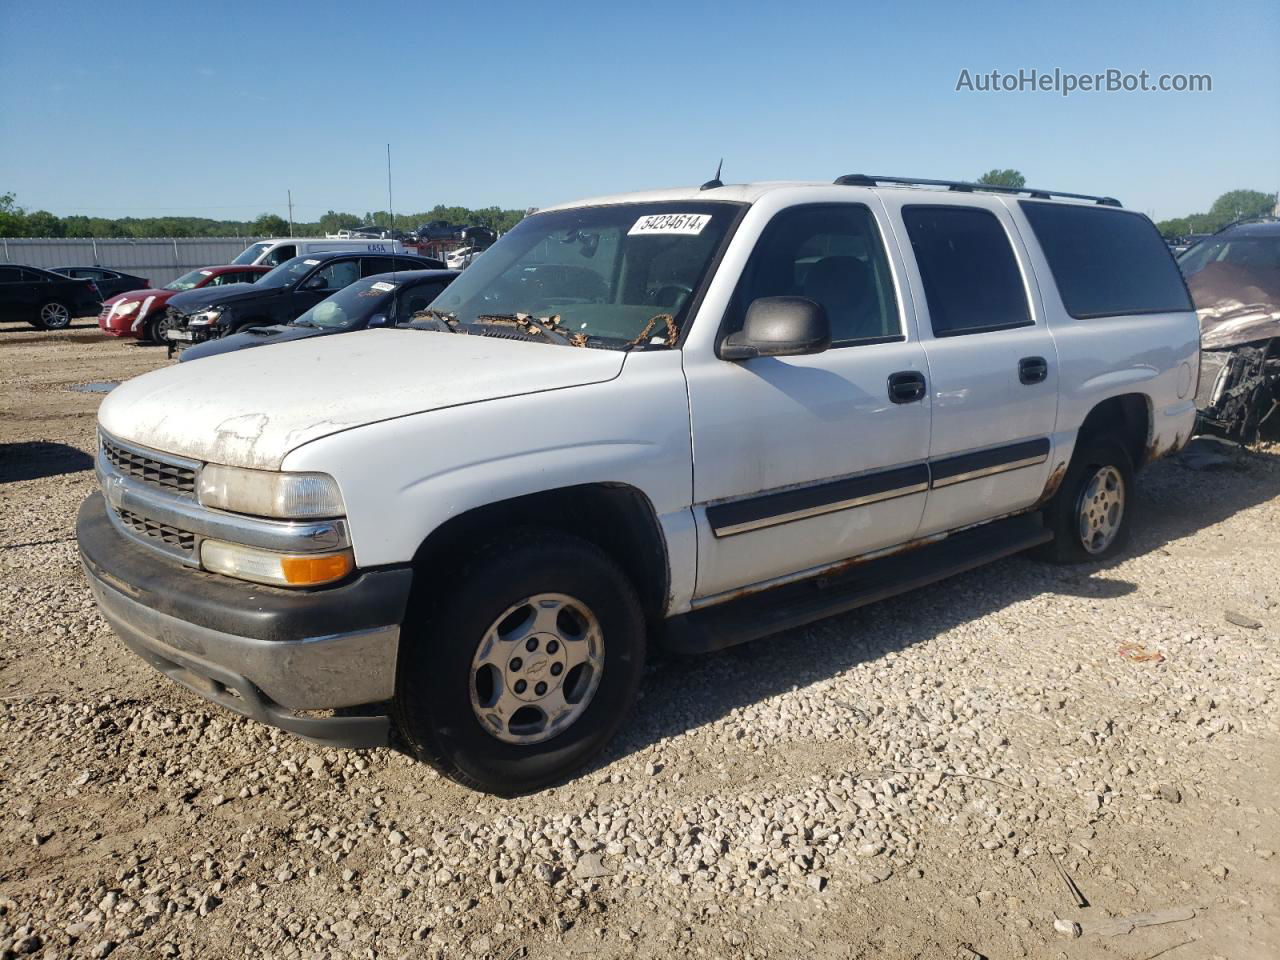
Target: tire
<point>1092,511</point>
<point>157,326</point>
<point>54,315</point>
<point>460,663</point>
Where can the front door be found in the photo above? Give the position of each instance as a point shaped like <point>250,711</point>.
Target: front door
<point>800,462</point>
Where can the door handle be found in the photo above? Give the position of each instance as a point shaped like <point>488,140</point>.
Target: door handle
<point>1033,370</point>
<point>906,386</point>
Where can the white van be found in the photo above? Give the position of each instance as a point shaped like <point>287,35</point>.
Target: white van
<point>275,252</point>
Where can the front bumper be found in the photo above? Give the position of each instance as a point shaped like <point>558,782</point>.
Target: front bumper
<point>261,652</point>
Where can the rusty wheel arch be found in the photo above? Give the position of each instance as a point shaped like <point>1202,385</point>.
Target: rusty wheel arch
<point>1130,416</point>
<point>617,518</point>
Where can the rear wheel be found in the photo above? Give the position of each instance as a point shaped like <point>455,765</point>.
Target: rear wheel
<point>54,315</point>
<point>1091,513</point>
<point>527,669</point>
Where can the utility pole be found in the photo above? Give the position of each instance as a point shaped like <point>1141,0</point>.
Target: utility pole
<point>290,213</point>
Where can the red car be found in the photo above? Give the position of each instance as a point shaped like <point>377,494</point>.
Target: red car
<point>141,313</point>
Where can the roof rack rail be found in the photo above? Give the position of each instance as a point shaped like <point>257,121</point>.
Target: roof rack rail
<point>962,186</point>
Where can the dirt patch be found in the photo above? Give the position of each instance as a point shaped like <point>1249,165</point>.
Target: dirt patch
<point>913,779</point>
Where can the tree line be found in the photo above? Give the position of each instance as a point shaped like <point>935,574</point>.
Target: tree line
<point>18,222</point>
<point>1232,205</point>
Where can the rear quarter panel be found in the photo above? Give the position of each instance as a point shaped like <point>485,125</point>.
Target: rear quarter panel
<point>1156,355</point>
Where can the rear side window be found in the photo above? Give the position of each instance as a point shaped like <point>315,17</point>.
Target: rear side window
<point>971,278</point>
<point>1106,262</point>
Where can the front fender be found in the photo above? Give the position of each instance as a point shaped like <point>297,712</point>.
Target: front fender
<point>401,479</point>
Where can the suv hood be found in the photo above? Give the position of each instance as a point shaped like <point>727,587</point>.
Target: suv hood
<point>252,407</point>
<point>201,297</point>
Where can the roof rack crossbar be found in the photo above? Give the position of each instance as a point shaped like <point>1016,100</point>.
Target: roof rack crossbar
<point>870,180</point>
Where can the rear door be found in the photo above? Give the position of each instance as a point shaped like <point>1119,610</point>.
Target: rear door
<point>800,462</point>
<point>993,366</point>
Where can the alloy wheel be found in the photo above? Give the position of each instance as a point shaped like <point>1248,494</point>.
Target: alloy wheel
<point>1100,509</point>
<point>536,668</point>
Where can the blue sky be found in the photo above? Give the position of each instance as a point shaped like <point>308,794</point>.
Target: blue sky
<point>150,108</point>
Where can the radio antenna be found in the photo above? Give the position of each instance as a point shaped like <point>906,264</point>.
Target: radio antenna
<point>391,213</point>
<point>714,181</point>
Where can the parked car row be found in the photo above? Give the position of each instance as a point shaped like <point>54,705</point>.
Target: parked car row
<point>141,313</point>
<point>278,297</point>
<point>45,299</point>
<point>381,300</point>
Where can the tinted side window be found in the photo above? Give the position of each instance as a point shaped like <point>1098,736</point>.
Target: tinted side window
<point>415,300</point>
<point>1106,262</point>
<point>832,254</point>
<point>10,275</point>
<point>280,254</point>
<point>32,277</point>
<point>337,275</point>
<point>371,266</point>
<point>971,279</point>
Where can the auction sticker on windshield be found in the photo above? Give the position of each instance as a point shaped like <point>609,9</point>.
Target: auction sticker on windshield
<point>688,224</point>
<point>383,286</point>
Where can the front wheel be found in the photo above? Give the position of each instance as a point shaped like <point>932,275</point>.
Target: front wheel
<point>524,671</point>
<point>1090,514</point>
<point>158,328</point>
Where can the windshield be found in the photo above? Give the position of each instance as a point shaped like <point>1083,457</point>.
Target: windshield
<point>349,306</point>
<point>289,272</point>
<point>606,272</point>
<point>1260,254</point>
<point>188,281</point>
<point>251,253</point>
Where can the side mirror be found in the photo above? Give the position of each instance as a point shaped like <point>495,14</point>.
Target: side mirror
<point>315,283</point>
<point>779,327</point>
<point>377,320</point>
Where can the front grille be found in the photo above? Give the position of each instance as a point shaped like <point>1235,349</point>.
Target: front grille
<point>150,470</point>
<point>181,541</point>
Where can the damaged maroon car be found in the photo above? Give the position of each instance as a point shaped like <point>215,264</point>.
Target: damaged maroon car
<point>1234,279</point>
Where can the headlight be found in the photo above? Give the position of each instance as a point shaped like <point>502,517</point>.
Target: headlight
<point>264,493</point>
<point>279,569</point>
<point>205,317</point>
<point>124,309</point>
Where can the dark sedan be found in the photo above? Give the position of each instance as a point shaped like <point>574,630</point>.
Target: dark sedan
<point>286,292</point>
<point>110,282</point>
<point>45,299</point>
<point>382,300</point>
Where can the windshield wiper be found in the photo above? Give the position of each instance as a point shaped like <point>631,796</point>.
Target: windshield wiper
<point>549,327</point>
<point>441,321</point>
<point>304,323</point>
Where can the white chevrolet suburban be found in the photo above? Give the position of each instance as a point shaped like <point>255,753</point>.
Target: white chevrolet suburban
<point>689,417</point>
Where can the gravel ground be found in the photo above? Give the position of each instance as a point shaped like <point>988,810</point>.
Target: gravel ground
<point>909,780</point>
